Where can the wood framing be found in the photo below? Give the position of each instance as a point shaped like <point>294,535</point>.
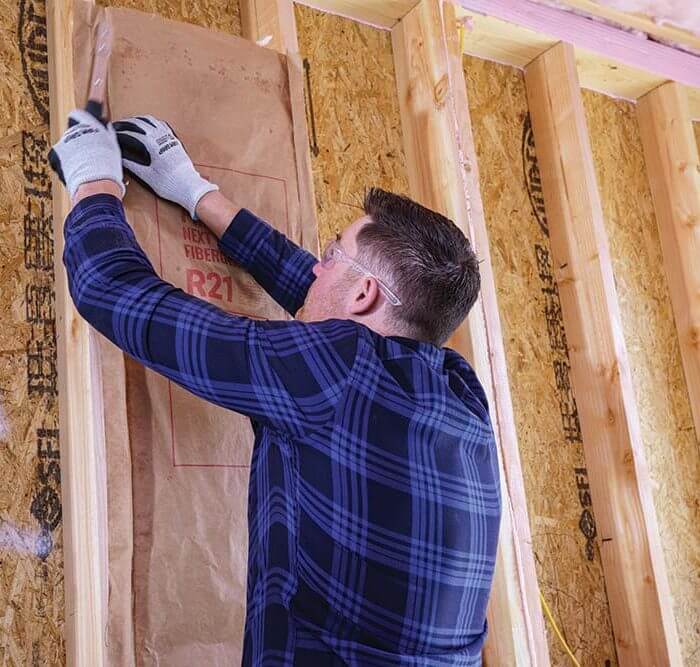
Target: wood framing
<point>386,13</point>
<point>493,38</point>
<point>671,156</point>
<point>442,170</point>
<point>83,480</point>
<point>635,573</point>
<point>610,60</point>
<point>614,44</point>
<point>262,19</point>
<point>443,174</point>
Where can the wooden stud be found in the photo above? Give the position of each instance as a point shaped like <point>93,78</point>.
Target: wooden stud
<point>270,18</point>
<point>443,175</point>
<point>630,545</point>
<point>83,475</point>
<point>671,156</point>
<point>275,18</point>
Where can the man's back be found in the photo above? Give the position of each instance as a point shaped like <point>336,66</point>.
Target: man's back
<point>373,536</point>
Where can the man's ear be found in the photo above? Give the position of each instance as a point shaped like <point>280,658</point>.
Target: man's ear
<point>365,296</point>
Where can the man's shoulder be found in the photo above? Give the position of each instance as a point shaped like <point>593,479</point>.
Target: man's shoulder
<point>348,327</point>
<point>314,339</point>
<point>450,373</point>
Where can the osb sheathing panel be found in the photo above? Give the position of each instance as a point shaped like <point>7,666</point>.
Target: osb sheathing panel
<point>220,15</point>
<point>31,556</point>
<point>669,438</point>
<point>31,568</point>
<point>563,533</point>
<point>352,113</point>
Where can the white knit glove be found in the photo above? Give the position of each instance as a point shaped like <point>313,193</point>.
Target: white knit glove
<point>87,151</point>
<point>152,152</point>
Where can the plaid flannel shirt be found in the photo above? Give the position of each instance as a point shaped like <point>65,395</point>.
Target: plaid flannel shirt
<point>374,498</point>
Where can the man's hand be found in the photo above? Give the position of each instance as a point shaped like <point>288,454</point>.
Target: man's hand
<point>152,152</point>
<point>88,151</point>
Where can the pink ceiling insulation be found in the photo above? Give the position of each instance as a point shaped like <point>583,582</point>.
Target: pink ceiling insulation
<point>668,13</point>
<point>681,13</point>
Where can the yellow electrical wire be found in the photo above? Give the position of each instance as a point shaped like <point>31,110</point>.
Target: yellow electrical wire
<point>548,613</point>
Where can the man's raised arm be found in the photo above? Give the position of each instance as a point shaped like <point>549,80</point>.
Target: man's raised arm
<point>288,375</point>
<point>152,153</point>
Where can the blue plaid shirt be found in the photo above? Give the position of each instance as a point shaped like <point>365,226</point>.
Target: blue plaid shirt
<point>374,492</point>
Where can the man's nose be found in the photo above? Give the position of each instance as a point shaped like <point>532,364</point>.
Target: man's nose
<point>317,269</point>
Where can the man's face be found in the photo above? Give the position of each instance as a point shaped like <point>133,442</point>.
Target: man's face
<point>330,294</point>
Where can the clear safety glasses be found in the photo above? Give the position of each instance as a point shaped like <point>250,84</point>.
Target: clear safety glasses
<point>335,253</point>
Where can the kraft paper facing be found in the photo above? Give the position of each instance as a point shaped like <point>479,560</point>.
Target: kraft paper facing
<point>177,467</point>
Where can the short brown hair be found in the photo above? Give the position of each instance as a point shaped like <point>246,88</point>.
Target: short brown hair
<point>426,258</point>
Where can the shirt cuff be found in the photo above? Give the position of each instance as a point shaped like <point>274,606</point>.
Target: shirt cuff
<point>95,205</point>
<point>244,237</point>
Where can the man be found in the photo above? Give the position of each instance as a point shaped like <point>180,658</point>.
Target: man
<point>374,492</point>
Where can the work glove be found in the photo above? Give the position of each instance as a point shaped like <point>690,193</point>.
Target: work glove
<point>87,151</point>
<point>152,152</point>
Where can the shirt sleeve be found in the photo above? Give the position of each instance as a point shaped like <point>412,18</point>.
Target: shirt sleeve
<point>279,266</point>
<point>287,374</point>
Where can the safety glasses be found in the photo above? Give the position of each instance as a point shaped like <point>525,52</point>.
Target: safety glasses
<point>334,253</point>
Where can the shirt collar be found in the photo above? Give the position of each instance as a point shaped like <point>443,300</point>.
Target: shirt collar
<point>431,354</point>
